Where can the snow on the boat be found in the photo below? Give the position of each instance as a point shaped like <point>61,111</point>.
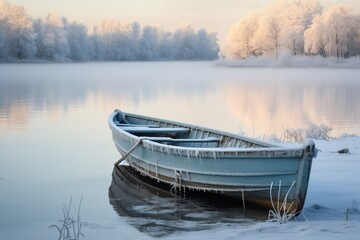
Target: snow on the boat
<point>331,208</point>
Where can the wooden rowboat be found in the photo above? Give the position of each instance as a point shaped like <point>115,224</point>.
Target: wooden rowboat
<point>198,158</point>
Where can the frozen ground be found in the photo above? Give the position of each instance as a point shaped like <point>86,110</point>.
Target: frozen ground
<point>331,208</point>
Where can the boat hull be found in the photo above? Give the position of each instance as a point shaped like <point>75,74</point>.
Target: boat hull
<point>249,173</point>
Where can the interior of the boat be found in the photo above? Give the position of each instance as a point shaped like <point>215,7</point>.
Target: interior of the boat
<point>177,134</point>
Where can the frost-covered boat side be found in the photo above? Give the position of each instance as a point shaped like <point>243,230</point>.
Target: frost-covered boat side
<point>198,158</point>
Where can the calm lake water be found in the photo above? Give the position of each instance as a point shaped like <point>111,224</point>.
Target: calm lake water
<point>55,142</point>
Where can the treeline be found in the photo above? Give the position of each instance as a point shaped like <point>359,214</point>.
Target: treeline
<point>300,27</point>
<point>56,39</point>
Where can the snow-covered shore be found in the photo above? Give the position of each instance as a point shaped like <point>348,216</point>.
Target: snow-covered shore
<point>287,60</point>
<point>332,206</point>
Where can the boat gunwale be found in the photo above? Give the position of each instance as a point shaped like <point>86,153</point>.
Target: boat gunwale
<point>269,148</point>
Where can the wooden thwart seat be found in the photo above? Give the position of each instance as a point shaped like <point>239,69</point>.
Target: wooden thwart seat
<point>182,140</point>
<point>143,129</point>
<point>117,123</point>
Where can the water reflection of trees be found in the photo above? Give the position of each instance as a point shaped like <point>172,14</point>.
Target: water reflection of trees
<point>21,98</point>
<point>273,106</point>
<point>268,100</point>
<point>31,89</point>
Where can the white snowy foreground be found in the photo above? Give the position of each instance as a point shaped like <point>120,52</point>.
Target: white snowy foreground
<point>332,205</point>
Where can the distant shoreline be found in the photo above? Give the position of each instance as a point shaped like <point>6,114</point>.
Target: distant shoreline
<point>284,61</point>
<point>289,61</point>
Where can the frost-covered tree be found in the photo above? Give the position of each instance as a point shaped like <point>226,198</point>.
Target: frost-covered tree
<point>354,38</point>
<point>81,48</point>
<point>17,32</point>
<point>257,33</point>
<point>3,28</point>
<point>135,34</point>
<point>98,45</point>
<point>149,44</point>
<point>206,45</point>
<point>166,48</point>
<point>313,37</point>
<point>118,40</point>
<point>277,27</point>
<point>184,40</point>
<point>39,29</point>
<point>57,39</point>
<point>334,33</point>
<point>267,36</point>
<point>241,37</point>
<point>126,44</point>
<point>3,45</point>
<point>105,31</point>
<point>296,17</point>
<point>338,30</point>
<point>51,39</point>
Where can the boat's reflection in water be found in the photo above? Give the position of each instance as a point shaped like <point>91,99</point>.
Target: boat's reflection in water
<point>157,210</point>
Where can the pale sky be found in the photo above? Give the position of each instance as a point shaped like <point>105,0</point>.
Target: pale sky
<point>214,15</point>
